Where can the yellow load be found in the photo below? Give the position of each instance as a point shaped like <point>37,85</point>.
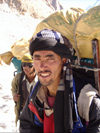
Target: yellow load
<point>61,21</point>
<point>6,57</point>
<point>88,28</point>
<point>78,26</point>
<point>20,48</point>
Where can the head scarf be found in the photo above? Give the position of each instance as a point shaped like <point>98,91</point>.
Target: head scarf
<point>51,40</point>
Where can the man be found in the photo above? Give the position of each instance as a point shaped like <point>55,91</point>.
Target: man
<point>22,84</point>
<point>50,106</point>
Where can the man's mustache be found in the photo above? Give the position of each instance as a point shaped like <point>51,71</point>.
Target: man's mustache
<point>32,72</point>
<point>44,71</point>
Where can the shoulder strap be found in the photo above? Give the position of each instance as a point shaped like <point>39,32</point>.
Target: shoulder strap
<point>20,91</point>
<point>35,90</point>
<point>20,83</point>
<point>75,105</point>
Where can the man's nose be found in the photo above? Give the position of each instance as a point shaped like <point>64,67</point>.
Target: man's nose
<point>43,63</point>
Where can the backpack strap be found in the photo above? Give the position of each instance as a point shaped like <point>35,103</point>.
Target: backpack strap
<point>75,105</point>
<point>20,91</point>
<point>34,91</point>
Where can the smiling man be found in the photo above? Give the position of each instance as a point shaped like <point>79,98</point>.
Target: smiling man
<point>49,108</point>
<point>48,67</point>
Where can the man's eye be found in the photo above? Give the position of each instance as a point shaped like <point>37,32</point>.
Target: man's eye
<point>36,58</point>
<point>50,58</point>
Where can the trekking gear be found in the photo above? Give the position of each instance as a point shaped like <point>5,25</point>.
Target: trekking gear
<point>20,48</point>
<point>96,56</point>
<point>17,65</point>
<point>34,90</point>
<point>79,26</point>
<point>78,126</point>
<point>20,93</point>
<point>6,57</point>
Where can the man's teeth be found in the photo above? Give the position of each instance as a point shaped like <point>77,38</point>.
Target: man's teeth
<point>44,74</point>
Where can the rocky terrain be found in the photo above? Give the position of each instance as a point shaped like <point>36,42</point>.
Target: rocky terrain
<point>35,8</point>
<point>18,18</point>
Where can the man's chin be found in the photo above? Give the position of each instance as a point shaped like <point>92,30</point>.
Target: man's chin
<point>44,83</point>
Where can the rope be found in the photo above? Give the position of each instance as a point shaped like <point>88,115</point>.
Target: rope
<point>87,69</point>
<point>74,37</point>
<point>76,48</point>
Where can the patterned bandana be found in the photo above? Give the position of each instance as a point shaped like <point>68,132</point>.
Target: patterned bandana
<point>51,40</point>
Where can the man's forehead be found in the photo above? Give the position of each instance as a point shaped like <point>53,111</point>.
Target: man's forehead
<point>44,53</point>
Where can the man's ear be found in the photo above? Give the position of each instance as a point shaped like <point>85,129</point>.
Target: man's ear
<point>64,60</point>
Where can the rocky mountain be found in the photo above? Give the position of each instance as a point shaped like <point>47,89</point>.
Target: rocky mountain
<point>35,8</point>
<point>19,18</point>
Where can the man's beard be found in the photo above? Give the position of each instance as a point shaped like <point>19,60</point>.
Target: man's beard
<point>46,83</point>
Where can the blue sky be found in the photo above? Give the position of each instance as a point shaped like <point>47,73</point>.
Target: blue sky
<point>84,4</point>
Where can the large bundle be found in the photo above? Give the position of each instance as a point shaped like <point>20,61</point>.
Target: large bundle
<point>61,21</point>
<point>88,28</point>
<point>78,26</point>
<point>19,48</point>
<point>6,57</point>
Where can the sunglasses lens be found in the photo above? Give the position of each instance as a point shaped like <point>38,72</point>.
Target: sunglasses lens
<point>30,65</point>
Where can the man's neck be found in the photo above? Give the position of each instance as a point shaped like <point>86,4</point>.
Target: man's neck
<point>30,78</point>
<point>53,88</point>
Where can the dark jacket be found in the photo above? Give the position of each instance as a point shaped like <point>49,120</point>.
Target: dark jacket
<point>94,116</point>
<point>89,108</point>
<point>19,86</point>
<point>31,119</point>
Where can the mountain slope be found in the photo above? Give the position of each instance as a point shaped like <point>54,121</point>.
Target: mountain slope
<point>35,8</point>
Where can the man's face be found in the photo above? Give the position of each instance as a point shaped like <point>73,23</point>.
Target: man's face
<point>48,66</point>
<point>28,69</point>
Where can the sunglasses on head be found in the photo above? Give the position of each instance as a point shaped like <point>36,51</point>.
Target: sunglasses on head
<point>30,65</point>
